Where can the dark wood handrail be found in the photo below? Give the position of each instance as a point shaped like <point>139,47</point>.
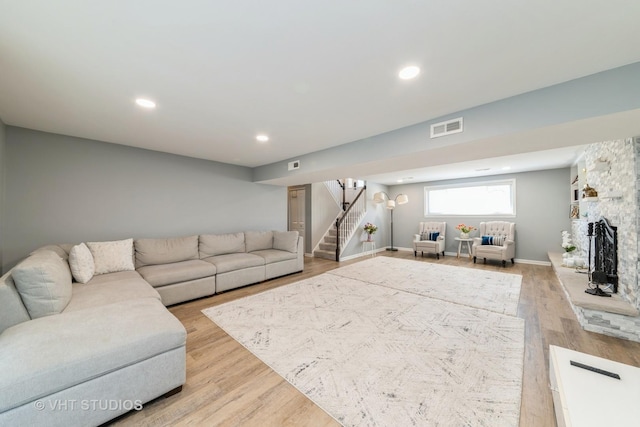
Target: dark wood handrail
<point>341,219</point>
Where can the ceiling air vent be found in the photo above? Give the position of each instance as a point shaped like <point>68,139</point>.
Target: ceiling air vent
<point>294,165</point>
<point>446,128</point>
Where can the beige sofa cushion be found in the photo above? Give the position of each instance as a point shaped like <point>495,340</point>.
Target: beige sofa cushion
<point>86,344</point>
<point>274,255</point>
<point>62,250</point>
<point>110,257</point>
<point>44,283</point>
<point>285,241</point>
<point>220,244</point>
<point>12,310</point>
<point>165,251</point>
<point>233,262</point>
<point>108,289</point>
<point>177,272</point>
<point>258,240</point>
<point>81,263</point>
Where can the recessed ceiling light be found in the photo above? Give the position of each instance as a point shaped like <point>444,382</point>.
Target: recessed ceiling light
<point>408,73</point>
<point>145,103</point>
<point>262,138</point>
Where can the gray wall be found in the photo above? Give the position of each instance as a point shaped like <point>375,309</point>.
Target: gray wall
<point>542,212</point>
<point>2,180</point>
<point>65,189</point>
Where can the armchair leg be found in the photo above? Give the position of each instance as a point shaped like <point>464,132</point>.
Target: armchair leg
<point>474,259</point>
<point>512,263</point>
<point>415,253</point>
<point>504,263</point>
<point>485,260</point>
<point>437,255</point>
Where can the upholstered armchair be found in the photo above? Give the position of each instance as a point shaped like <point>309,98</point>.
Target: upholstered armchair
<point>496,241</point>
<point>428,241</point>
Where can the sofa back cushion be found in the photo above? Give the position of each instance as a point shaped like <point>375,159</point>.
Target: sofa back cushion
<point>165,251</point>
<point>62,250</point>
<point>285,241</point>
<point>44,283</point>
<point>258,240</point>
<point>12,310</point>
<point>221,244</point>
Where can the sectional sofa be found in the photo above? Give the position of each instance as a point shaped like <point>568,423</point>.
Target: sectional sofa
<point>84,332</point>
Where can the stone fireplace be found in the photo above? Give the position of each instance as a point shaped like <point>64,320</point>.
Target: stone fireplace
<point>618,201</point>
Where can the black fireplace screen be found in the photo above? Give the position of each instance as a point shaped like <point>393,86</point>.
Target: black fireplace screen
<point>605,256</point>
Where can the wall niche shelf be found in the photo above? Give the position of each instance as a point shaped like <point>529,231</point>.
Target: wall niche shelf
<point>612,195</point>
<point>590,199</point>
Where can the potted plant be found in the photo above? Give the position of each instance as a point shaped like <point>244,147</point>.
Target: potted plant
<point>370,230</point>
<point>465,230</point>
<point>567,258</point>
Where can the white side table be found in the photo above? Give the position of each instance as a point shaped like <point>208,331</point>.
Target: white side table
<point>460,241</point>
<point>369,247</point>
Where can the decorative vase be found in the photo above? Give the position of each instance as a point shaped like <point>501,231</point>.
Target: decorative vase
<point>464,235</point>
<point>369,237</point>
<point>567,259</point>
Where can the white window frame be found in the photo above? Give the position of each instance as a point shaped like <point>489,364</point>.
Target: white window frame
<point>510,182</point>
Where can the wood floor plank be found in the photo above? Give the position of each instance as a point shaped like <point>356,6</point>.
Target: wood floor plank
<point>228,386</point>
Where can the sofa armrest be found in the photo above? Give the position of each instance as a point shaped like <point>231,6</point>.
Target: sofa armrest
<point>416,237</point>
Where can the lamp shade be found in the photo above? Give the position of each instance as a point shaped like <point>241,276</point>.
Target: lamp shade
<point>391,204</point>
<point>378,197</point>
<point>402,199</point>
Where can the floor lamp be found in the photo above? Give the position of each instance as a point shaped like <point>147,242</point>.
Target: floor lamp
<point>400,199</point>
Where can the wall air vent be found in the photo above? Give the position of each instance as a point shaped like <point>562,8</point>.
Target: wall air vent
<point>294,165</point>
<point>446,128</point>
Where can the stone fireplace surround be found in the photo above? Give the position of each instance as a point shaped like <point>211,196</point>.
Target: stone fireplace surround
<point>617,316</point>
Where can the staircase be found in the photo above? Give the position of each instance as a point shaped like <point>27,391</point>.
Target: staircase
<point>327,248</point>
<point>346,223</point>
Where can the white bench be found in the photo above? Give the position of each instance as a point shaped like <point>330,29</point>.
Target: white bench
<point>583,398</point>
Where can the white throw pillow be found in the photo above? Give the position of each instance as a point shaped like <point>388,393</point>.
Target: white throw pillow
<point>110,257</point>
<point>81,263</point>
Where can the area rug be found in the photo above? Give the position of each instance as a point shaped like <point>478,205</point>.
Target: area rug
<point>372,355</point>
<point>490,290</point>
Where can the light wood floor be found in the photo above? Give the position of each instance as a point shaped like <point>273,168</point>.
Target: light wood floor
<point>228,386</point>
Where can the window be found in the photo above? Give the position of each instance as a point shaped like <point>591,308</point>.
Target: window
<point>491,198</point>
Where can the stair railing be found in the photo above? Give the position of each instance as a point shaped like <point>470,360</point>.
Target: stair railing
<point>336,188</point>
<point>347,224</point>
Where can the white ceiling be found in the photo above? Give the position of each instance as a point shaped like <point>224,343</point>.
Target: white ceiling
<point>312,75</point>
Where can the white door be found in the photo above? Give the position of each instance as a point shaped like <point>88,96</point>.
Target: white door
<point>296,210</point>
